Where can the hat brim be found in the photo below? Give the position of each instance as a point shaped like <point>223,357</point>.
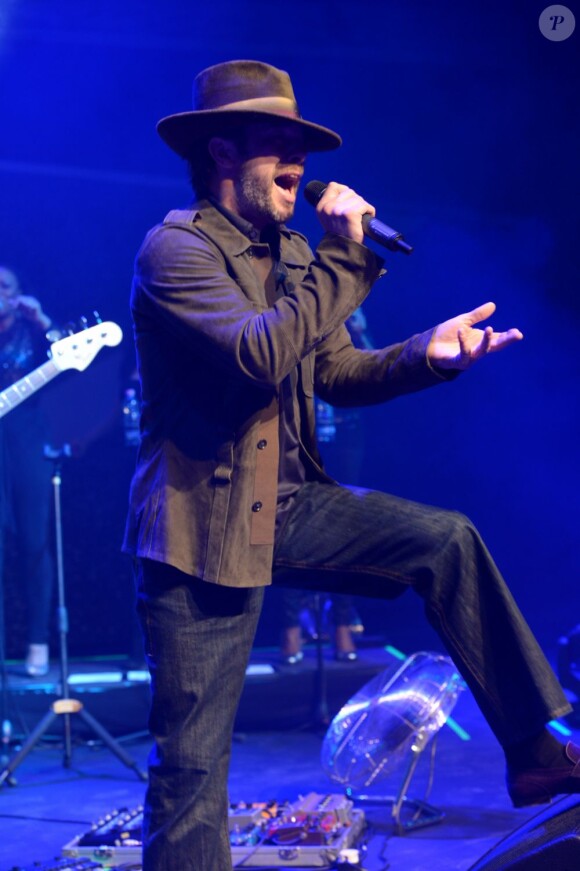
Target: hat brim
<point>182,131</point>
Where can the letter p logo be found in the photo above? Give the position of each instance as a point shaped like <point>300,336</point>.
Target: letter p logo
<point>557,23</point>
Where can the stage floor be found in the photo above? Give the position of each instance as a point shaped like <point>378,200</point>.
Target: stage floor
<point>276,755</point>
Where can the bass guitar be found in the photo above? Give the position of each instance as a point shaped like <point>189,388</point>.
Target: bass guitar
<point>72,352</point>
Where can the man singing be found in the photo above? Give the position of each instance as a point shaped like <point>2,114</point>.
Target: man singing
<point>237,324</point>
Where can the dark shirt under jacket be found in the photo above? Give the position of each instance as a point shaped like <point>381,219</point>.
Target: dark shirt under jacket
<point>291,471</point>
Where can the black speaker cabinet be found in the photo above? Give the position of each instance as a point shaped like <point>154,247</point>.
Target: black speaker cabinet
<point>549,841</point>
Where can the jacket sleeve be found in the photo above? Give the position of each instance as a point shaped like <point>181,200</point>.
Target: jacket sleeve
<point>184,279</point>
<point>347,376</point>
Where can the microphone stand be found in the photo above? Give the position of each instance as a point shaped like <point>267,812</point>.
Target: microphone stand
<point>5,723</point>
<point>64,706</point>
<point>321,715</point>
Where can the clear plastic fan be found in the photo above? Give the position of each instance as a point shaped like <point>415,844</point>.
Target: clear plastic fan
<point>390,720</point>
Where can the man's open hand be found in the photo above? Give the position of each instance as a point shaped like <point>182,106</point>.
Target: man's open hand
<point>457,343</point>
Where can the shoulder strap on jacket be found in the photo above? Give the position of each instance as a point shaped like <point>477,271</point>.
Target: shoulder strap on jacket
<point>181,216</point>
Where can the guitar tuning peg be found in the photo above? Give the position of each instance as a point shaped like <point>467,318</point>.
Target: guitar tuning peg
<point>84,322</point>
<point>97,317</point>
<point>69,329</point>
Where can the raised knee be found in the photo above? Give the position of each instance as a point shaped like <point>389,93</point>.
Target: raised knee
<point>460,527</point>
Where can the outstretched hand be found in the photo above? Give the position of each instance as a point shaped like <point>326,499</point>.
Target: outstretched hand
<point>457,344</point>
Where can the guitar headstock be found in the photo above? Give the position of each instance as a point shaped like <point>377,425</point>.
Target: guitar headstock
<point>80,349</point>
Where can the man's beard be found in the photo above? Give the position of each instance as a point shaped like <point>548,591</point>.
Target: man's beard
<point>256,203</point>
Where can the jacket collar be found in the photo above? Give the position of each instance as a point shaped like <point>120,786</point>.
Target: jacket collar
<point>235,233</point>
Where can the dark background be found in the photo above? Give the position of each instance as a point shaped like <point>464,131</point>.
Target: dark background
<point>460,124</point>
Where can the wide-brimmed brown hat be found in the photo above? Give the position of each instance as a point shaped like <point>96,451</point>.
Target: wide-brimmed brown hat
<point>237,92</point>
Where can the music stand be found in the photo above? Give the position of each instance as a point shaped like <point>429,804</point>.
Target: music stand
<point>64,706</point>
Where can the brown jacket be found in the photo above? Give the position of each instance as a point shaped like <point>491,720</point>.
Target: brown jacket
<point>212,354</point>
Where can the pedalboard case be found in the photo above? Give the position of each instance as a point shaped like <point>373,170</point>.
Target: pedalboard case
<point>311,832</point>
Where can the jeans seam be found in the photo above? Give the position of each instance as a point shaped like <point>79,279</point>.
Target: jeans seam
<point>469,663</point>
<point>350,569</point>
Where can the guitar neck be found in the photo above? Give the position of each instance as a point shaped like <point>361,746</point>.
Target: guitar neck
<point>25,387</point>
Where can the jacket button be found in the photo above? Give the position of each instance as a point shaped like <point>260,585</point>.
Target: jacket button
<point>262,444</point>
<point>257,506</point>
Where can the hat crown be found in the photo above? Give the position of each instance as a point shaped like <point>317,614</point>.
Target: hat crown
<point>238,92</point>
<point>235,81</point>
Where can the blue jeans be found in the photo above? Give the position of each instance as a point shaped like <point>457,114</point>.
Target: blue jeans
<point>335,539</point>
<point>198,639</point>
<point>342,610</point>
<point>26,508</point>
<point>338,539</point>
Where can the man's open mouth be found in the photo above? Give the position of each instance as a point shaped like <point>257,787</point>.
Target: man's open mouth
<point>288,181</point>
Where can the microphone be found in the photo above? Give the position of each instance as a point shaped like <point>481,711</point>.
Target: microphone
<point>372,227</point>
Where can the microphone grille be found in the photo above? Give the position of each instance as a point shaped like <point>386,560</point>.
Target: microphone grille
<point>313,191</point>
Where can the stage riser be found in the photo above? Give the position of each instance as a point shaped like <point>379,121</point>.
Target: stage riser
<point>287,698</point>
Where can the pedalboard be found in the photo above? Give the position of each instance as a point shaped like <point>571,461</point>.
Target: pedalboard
<point>310,832</point>
<point>75,865</point>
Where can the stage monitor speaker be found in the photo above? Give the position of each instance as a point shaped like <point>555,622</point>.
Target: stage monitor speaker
<point>549,841</point>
